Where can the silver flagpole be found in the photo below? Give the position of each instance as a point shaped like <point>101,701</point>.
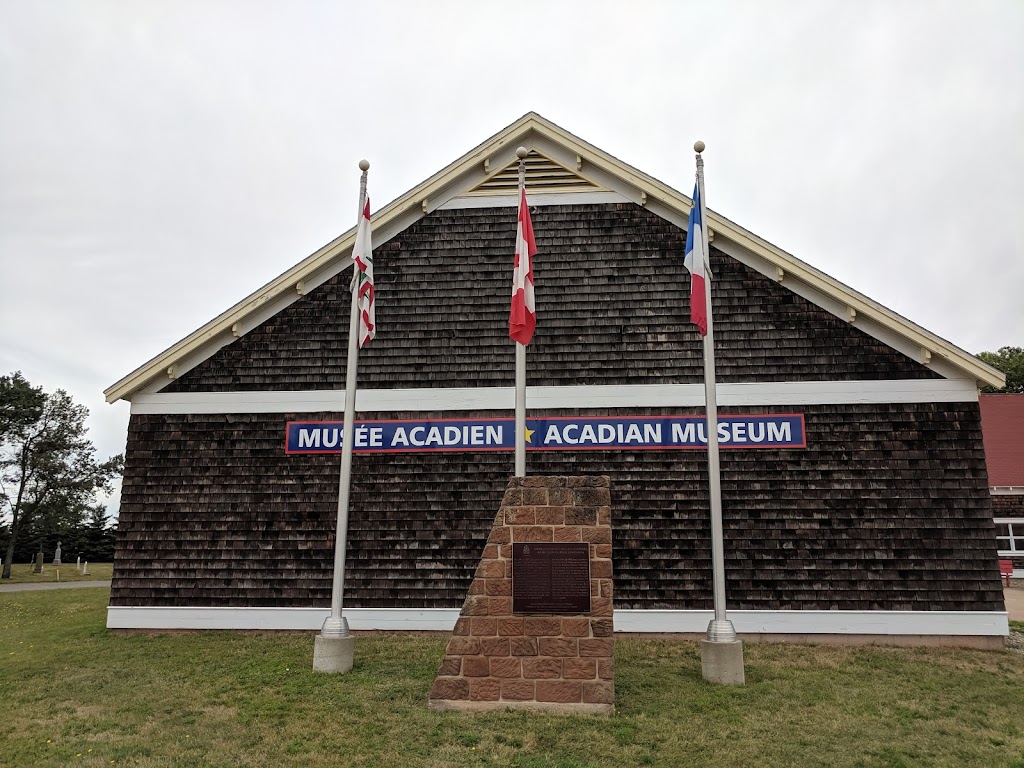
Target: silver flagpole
<point>521,153</point>
<point>720,629</point>
<point>332,655</point>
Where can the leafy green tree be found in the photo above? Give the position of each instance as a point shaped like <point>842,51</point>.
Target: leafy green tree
<point>21,405</point>
<point>49,473</point>
<point>1009,360</point>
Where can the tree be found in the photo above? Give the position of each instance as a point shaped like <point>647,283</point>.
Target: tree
<point>48,469</point>
<point>1009,360</point>
<point>21,404</point>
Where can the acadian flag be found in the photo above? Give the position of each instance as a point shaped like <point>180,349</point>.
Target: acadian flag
<point>694,261</point>
<point>362,256</point>
<point>523,318</point>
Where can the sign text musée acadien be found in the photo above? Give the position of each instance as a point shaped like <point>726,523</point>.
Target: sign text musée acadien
<point>554,433</point>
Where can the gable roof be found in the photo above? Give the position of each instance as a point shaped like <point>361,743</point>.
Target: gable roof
<point>1002,430</point>
<point>566,162</point>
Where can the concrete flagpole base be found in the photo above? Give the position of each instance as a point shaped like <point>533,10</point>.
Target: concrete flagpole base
<point>722,662</point>
<point>333,654</point>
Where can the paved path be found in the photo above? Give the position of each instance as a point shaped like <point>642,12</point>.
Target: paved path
<point>1014,603</point>
<point>31,586</point>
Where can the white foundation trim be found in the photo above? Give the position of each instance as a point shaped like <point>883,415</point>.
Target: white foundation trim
<point>939,623</point>
<point>821,622</point>
<point>159,617</point>
<point>594,396</point>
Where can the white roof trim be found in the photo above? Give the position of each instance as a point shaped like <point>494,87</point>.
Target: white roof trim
<point>467,173</point>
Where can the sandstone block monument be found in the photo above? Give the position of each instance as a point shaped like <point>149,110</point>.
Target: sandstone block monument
<point>535,631</point>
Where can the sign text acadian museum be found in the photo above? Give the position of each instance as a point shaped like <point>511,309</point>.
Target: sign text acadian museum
<point>562,433</point>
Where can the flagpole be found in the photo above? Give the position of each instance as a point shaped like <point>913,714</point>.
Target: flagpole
<point>521,153</point>
<point>723,661</point>
<point>720,629</point>
<point>335,627</point>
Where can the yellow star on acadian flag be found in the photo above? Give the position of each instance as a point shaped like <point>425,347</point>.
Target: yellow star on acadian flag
<point>529,434</point>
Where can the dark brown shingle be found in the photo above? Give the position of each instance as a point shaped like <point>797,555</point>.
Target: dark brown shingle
<point>887,508</point>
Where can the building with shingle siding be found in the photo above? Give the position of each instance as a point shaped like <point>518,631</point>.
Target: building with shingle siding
<point>1002,419</point>
<point>879,523</point>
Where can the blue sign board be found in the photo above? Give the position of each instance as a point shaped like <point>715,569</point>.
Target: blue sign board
<point>556,433</point>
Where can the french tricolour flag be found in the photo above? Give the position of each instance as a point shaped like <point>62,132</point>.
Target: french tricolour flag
<point>523,317</point>
<point>694,261</point>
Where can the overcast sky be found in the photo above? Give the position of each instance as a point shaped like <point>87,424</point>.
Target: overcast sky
<point>160,161</point>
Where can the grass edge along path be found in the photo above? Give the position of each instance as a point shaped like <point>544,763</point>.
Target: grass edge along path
<point>77,694</point>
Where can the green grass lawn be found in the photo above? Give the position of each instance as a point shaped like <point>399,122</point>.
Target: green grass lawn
<point>22,573</point>
<point>75,694</point>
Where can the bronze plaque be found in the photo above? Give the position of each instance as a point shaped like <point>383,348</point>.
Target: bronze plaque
<point>550,578</point>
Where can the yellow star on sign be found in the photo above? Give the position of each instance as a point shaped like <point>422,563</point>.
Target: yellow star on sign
<point>529,434</point>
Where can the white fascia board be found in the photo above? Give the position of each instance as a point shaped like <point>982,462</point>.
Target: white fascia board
<point>864,321</point>
<point>466,173</point>
<point>882,623</point>
<point>271,307</point>
<point>673,206</point>
<point>205,341</point>
<point>829,294</point>
<point>548,398</point>
<point>187,362</point>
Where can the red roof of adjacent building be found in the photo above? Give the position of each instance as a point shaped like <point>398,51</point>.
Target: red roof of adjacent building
<point>1002,427</point>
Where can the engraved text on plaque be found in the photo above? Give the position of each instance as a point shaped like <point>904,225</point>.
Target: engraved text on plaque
<point>550,578</point>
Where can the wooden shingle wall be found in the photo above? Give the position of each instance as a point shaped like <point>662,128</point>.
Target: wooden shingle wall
<point>887,508</point>
<point>612,303</point>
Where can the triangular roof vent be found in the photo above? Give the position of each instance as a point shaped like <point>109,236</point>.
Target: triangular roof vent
<point>542,175</point>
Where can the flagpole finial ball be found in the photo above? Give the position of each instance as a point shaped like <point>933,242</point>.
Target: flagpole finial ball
<point>522,152</point>
<point>698,146</point>
<point>364,165</point>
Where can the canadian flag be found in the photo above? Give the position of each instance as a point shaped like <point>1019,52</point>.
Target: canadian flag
<point>523,318</point>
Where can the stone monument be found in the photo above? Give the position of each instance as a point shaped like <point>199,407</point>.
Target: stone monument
<point>535,631</point>
<point>56,555</point>
<point>38,568</point>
